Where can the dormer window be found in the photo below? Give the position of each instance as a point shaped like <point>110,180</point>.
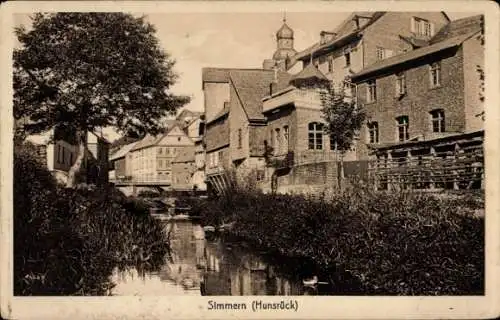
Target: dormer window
<point>422,27</point>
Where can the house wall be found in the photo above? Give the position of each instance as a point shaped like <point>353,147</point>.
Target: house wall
<point>257,135</point>
<point>382,33</point>
<point>217,134</point>
<point>64,155</point>
<point>238,122</point>
<point>223,160</point>
<point>215,94</point>
<point>386,30</point>
<point>182,173</point>
<point>144,163</point>
<point>418,101</point>
<point>473,56</point>
<point>120,167</point>
<point>284,116</point>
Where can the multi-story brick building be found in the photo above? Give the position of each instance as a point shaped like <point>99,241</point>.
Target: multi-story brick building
<point>427,93</point>
<point>367,37</point>
<point>425,111</point>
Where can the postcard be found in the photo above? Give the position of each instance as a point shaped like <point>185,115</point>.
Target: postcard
<point>249,160</point>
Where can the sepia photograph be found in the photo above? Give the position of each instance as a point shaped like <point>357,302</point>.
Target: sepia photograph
<point>213,154</point>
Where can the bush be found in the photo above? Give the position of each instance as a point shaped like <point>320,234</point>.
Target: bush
<point>68,241</point>
<point>366,242</point>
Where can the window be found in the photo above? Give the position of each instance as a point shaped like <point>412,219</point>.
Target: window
<point>400,84</point>
<point>422,27</point>
<point>160,164</point>
<point>330,64</point>
<point>219,158</point>
<point>438,124</point>
<point>277,139</point>
<point>371,92</point>
<point>286,135</point>
<point>315,136</point>
<point>380,53</point>
<point>240,143</point>
<point>435,74</point>
<point>178,138</point>
<point>372,132</point>
<point>403,128</point>
<point>160,150</point>
<point>347,56</point>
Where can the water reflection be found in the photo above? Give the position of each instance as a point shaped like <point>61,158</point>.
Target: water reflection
<point>211,267</point>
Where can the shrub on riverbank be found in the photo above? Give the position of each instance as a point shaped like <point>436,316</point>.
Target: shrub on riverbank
<point>68,241</point>
<point>388,244</point>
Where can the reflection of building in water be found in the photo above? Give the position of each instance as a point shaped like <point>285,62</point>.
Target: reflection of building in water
<point>231,271</point>
<point>187,245</point>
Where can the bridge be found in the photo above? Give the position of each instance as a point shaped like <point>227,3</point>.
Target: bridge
<point>161,186</point>
<point>140,183</point>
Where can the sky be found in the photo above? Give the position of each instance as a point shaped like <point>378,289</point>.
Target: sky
<point>230,40</point>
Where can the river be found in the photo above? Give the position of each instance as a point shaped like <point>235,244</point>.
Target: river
<point>199,266</point>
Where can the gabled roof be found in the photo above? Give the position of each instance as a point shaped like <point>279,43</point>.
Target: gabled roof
<point>251,86</point>
<point>122,152</point>
<point>412,55</point>
<point>346,30</point>
<point>150,140</point>
<point>459,27</point>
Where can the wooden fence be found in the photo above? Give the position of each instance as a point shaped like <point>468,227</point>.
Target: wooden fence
<point>448,163</point>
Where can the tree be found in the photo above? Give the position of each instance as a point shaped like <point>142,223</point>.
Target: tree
<point>84,71</point>
<point>343,118</point>
<point>480,69</point>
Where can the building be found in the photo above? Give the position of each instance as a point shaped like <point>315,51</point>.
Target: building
<point>152,156</point>
<point>425,95</point>
<point>430,92</point>
<point>58,150</point>
<point>367,37</point>
<point>121,162</point>
<point>183,169</point>
<point>194,126</point>
<point>235,125</point>
<point>283,58</point>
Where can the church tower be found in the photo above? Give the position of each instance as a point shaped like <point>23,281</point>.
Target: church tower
<point>284,48</point>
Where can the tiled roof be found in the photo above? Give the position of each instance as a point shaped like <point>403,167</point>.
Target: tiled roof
<point>251,86</point>
<point>221,113</point>
<point>150,140</point>
<point>122,152</point>
<point>345,30</point>
<point>309,72</point>
<point>283,80</point>
<point>412,55</point>
<point>215,75</point>
<point>458,27</point>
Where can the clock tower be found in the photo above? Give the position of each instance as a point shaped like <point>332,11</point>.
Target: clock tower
<point>284,50</point>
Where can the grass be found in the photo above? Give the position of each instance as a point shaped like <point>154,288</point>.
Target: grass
<point>366,242</point>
